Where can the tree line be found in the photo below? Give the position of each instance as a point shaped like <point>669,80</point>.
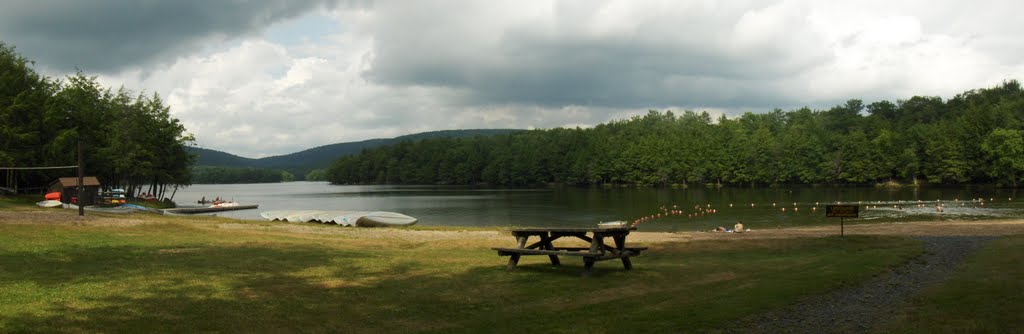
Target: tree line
<point>218,175</point>
<point>129,141</point>
<point>974,137</point>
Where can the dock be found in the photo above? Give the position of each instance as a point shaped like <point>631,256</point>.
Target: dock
<point>191,210</point>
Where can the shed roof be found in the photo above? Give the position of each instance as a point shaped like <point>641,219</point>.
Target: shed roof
<point>73,181</point>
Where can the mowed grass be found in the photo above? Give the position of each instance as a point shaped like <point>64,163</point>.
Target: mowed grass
<point>20,202</point>
<point>985,295</point>
<point>191,274</point>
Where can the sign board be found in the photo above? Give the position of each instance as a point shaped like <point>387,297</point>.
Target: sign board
<point>843,211</point>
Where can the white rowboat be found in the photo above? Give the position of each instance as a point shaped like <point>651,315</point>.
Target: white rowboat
<point>344,218</point>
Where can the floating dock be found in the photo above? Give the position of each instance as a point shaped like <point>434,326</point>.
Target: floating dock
<point>191,210</point>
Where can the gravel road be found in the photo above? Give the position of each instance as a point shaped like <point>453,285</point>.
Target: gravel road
<point>859,309</point>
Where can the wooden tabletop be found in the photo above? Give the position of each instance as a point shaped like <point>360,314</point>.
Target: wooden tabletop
<point>571,229</point>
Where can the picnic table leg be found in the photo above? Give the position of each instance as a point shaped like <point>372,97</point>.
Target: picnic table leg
<point>597,244</point>
<point>521,241</point>
<point>588,266</point>
<point>546,244</point>
<point>620,244</point>
<point>513,260</point>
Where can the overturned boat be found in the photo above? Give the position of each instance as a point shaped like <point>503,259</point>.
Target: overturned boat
<point>344,218</point>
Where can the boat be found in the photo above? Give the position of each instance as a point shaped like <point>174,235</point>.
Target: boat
<point>344,218</point>
<point>49,204</point>
<point>271,215</point>
<point>383,218</point>
<point>113,197</point>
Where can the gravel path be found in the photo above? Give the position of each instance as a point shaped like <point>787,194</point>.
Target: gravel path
<point>859,309</point>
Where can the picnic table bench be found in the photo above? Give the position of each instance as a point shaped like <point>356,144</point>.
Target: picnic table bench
<point>598,250</point>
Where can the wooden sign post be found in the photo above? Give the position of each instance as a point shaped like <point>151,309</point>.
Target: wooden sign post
<point>842,211</point>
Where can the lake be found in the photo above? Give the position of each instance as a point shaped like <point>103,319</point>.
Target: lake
<point>758,208</point>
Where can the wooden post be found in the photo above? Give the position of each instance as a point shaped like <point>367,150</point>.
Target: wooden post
<point>81,177</point>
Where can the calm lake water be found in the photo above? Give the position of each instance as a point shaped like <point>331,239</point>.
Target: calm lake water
<point>569,206</point>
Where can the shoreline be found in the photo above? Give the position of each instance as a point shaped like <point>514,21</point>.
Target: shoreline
<point>998,227</point>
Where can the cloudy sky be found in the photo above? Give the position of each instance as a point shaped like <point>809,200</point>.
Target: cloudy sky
<point>258,78</point>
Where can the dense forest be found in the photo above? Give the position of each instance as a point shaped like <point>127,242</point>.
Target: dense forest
<point>215,175</point>
<point>974,137</point>
<point>129,141</point>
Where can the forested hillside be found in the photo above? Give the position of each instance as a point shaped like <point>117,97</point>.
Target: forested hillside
<point>220,175</point>
<point>322,156</point>
<point>301,164</point>
<point>128,140</point>
<point>975,137</point>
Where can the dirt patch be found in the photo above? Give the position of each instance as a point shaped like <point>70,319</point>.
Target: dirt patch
<point>178,250</point>
<point>51,216</point>
<point>860,309</point>
<point>371,233</point>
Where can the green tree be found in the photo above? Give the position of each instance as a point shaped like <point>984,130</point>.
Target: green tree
<point>1005,148</point>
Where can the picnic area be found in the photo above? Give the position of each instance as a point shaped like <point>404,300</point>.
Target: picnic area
<point>146,273</point>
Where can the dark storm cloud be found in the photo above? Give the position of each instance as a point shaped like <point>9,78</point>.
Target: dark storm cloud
<point>686,58</point>
<point>107,35</point>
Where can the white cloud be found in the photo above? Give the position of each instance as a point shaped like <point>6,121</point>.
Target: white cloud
<point>395,67</point>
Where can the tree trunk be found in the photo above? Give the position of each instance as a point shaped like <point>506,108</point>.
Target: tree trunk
<point>174,192</point>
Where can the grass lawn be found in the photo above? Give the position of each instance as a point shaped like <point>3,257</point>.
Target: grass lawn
<point>985,295</point>
<point>188,274</point>
<point>20,202</point>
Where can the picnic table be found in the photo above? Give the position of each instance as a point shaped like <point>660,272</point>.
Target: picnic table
<point>598,250</point>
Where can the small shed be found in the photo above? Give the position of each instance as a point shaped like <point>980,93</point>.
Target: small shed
<point>68,188</point>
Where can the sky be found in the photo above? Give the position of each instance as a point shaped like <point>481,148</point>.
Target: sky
<point>262,78</point>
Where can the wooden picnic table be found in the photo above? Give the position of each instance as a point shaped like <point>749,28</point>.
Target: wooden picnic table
<point>598,250</point>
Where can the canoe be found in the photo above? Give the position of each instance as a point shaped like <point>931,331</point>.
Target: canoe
<point>344,218</point>
<point>49,204</point>
<point>270,215</point>
<point>383,218</point>
<point>349,218</point>
<point>296,216</point>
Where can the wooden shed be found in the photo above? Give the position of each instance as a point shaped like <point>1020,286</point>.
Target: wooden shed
<point>68,188</point>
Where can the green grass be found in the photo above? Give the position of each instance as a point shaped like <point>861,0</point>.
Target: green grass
<point>190,274</point>
<point>9,202</point>
<point>985,295</point>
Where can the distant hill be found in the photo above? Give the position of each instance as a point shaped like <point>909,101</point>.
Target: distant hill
<point>300,163</point>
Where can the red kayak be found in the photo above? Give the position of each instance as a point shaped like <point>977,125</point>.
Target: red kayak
<point>54,196</point>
